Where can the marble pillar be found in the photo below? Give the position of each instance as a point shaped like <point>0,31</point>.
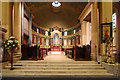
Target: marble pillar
<point>106,12</point>
<point>83,33</point>
<point>94,32</point>
<point>118,36</point>
<point>30,30</point>
<point>22,23</point>
<point>17,23</point>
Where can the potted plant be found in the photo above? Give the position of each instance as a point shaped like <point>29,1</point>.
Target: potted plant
<point>10,46</point>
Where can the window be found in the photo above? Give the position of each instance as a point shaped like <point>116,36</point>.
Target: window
<point>65,33</point>
<point>73,41</point>
<point>56,4</point>
<point>114,20</point>
<point>38,30</point>
<point>26,25</point>
<point>69,41</point>
<point>43,41</point>
<point>38,41</point>
<point>73,31</point>
<point>34,39</point>
<point>47,42</point>
<point>46,33</point>
<point>65,42</point>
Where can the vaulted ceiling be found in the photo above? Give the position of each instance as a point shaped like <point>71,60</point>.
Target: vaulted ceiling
<point>48,16</point>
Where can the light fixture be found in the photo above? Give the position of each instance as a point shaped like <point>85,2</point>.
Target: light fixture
<point>56,4</point>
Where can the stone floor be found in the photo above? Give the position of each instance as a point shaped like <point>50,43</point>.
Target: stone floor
<point>57,58</point>
<point>56,66</point>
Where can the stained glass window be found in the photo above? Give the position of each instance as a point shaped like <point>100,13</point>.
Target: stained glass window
<point>65,33</point>
<point>73,31</point>
<point>114,20</point>
<point>38,30</point>
<point>46,33</point>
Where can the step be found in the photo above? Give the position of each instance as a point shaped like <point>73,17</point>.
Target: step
<point>53,63</point>
<point>55,71</point>
<point>59,74</point>
<point>58,67</point>
<point>34,64</point>
<point>40,61</point>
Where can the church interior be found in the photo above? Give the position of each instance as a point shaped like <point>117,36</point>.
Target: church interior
<point>60,39</point>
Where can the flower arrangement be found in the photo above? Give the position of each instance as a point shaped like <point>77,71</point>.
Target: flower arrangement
<point>109,44</point>
<point>11,44</point>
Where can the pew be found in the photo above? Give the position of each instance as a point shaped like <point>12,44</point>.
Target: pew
<point>24,51</point>
<point>30,52</point>
<point>79,53</point>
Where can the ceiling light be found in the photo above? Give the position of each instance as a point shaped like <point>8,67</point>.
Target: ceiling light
<point>56,4</point>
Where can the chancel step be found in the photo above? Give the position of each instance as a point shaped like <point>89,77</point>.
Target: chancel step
<point>42,68</point>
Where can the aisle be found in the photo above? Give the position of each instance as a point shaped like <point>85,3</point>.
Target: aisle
<point>57,58</point>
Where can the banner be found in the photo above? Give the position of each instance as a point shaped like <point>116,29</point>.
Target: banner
<point>106,31</point>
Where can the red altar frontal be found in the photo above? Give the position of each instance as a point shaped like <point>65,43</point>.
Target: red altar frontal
<point>56,49</point>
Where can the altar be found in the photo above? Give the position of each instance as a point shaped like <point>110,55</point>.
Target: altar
<point>56,41</point>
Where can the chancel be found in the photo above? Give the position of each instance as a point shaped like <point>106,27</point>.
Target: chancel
<point>70,40</point>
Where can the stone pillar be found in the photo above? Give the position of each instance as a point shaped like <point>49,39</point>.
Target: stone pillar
<point>75,41</point>
<point>67,41</point>
<point>106,11</point>
<point>118,35</point>
<point>30,30</point>
<point>17,23</point>
<point>83,32</point>
<point>71,40</point>
<point>79,39</point>
<point>49,42</point>
<point>40,40</point>
<point>32,39</point>
<point>88,33</point>
<point>45,41</point>
<point>63,41</point>
<point>22,22</point>
<point>36,40</point>
<point>94,32</point>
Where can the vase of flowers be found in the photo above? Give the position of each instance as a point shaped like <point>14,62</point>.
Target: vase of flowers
<point>10,46</point>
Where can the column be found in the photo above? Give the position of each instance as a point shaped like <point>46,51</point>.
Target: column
<point>88,32</point>
<point>17,23</point>
<point>32,39</point>
<point>40,41</point>
<point>62,41</point>
<point>49,42</point>
<point>22,22</point>
<point>71,40</point>
<point>67,41</point>
<point>45,41</point>
<point>106,11</point>
<point>83,32</point>
<point>30,30</point>
<point>79,39</point>
<point>36,40</point>
<point>75,41</point>
<point>94,31</point>
<point>118,34</point>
